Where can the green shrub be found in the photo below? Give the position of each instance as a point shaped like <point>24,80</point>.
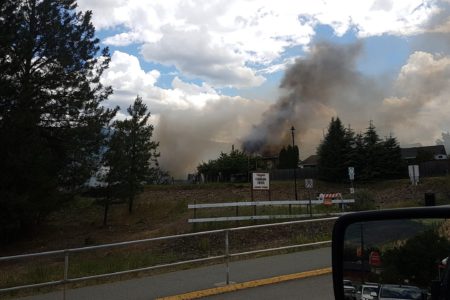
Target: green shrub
<point>364,200</point>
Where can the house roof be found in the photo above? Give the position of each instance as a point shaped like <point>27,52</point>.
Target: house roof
<point>412,152</point>
<point>312,160</point>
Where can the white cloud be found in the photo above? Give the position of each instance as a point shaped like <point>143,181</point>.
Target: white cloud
<point>125,73</point>
<point>217,40</point>
<point>192,122</point>
<point>421,103</point>
<point>278,67</point>
<point>194,53</point>
<point>128,79</point>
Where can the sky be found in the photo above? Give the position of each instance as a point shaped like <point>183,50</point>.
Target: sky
<point>226,72</point>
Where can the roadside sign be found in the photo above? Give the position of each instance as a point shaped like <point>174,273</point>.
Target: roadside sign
<point>413,171</point>
<point>351,173</point>
<point>375,259</point>
<point>309,183</point>
<point>261,181</point>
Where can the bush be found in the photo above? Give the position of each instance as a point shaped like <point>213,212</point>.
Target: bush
<point>364,200</point>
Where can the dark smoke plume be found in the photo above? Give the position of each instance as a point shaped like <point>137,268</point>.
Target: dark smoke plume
<point>309,86</point>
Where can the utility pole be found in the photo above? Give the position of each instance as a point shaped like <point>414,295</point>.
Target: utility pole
<point>295,167</point>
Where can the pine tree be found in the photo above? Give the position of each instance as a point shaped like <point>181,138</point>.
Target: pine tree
<point>51,117</point>
<point>373,154</point>
<point>132,154</point>
<point>392,163</point>
<point>333,152</point>
<point>288,157</point>
<point>358,155</point>
<point>283,159</point>
<point>113,163</point>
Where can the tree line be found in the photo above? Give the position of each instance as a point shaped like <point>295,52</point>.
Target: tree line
<point>236,163</point>
<point>54,130</point>
<point>371,156</point>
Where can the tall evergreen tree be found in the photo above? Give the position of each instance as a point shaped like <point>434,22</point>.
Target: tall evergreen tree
<point>283,160</point>
<point>350,147</point>
<point>358,155</point>
<point>373,153</point>
<point>51,117</point>
<point>132,152</point>
<point>391,162</point>
<point>294,157</point>
<point>288,157</point>
<point>113,162</point>
<point>333,155</point>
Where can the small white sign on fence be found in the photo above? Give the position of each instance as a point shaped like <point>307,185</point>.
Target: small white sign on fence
<point>261,181</point>
<point>351,173</point>
<point>309,183</point>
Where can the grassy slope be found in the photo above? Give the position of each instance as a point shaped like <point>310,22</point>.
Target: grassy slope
<point>162,210</point>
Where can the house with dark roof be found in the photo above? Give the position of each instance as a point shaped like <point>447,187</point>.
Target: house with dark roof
<point>437,152</point>
<point>310,162</point>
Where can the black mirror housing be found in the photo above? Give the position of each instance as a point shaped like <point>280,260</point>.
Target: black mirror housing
<point>345,221</point>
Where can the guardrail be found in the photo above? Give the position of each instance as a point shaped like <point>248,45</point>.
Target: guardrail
<point>227,255</point>
<point>255,204</point>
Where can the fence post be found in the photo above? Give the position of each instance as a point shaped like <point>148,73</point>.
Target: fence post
<point>310,204</point>
<point>66,271</point>
<point>227,256</point>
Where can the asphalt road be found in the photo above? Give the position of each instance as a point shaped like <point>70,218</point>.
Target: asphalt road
<point>202,278</point>
<point>314,288</point>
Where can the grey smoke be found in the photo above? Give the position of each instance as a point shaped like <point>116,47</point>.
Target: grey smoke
<point>323,84</point>
<point>189,136</point>
<point>326,83</point>
<point>314,87</point>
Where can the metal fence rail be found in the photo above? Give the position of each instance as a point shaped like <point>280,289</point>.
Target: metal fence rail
<point>227,255</point>
<point>269,203</point>
<point>278,203</point>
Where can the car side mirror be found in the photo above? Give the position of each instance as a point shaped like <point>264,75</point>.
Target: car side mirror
<point>399,252</point>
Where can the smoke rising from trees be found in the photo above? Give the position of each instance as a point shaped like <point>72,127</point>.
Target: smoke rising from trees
<point>312,88</point>
<point>324,84</point>
<point>327,83</point>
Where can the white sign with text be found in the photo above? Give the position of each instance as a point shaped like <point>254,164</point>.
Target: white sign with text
<point>261,181</point>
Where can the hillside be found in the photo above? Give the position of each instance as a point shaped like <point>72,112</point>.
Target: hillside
<point>162,210</point>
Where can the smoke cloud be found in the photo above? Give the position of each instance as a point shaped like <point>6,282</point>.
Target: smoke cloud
<point>327,83</point>
<point>191,135</point>
<point>412,104</point>
<point>315,88</point>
